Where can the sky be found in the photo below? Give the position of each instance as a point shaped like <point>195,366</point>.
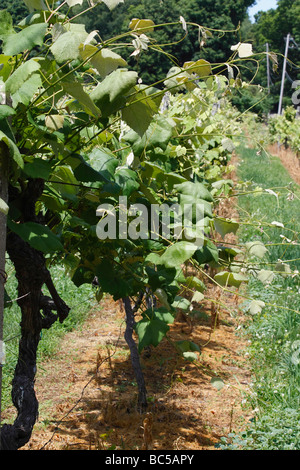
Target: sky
<point>261,5</point>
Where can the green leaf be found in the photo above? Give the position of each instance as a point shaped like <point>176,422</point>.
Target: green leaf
<point>256,306</point>
<point>54,122</point>
<point>38,168</point>
<point>225,278</point>
<point>6,111</point>
<point>181,303</point>
<point>198,297</point>
<point>66,46</point>
<point>103,161</point>
<point>127,180</point>
<point>13,149</point>
<point>265,276</point>
<point>32,36</point>
<point>38,236</point>
<point>162,295</point>
<point>105,60</point>
<point>111,281</point>
<point>139,112</point>
<point>3,207</point>
<point>110,94</point>
<point>72,3</point>
<point>194,282</point>
<point>201,67</point>
<point>177,254</point>
<point>207,254</point>
<point>35,5</point>
<point>111,4</point>
<point>157,135</point>
<point>76,90</point>
<point>24,82</point>
<point>256,248</point>
<point>217,383</point>
<point>223,226</point>
<point>195,191</point>
<point>153,327</point>
<point>135,24</point>
<point>185,346</point>
<point>82,275</point>
<point>195,200</point>
<point>86,174</point>
<point>64,182</point>
<point>190,356</point>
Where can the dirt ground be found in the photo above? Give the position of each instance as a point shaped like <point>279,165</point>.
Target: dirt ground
<point>87,392</point>
<point>288,159</point>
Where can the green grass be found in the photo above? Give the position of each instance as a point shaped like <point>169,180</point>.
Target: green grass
<point>274,334</point>
<point>79,299</point>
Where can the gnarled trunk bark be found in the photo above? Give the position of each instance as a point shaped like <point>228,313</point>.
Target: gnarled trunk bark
<point>37,313</point>
<point>134,354</point>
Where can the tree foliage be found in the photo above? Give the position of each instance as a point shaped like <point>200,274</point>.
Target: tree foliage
<point>197,43</point>
<point>272,27</point>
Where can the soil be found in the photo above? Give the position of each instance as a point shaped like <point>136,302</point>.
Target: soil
<point>87,392</point>
<point>88,395</point>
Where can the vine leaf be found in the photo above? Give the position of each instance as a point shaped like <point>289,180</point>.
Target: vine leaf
<point>33,35</point>
<point>265,276</point>
<point>139,112</point>
<point>256,306</point>
<point>66,46</point>
<point>110,94</point>
<point>72,3</point>
<point>24,82</point>
<point>223,226</point>
<point>6,111</point>
<point>54,122</point>
<point>6,24</point>
<point>243,49</point>
<point>201,67</point>
<point>177,254</point>
<point>35,5</point>
<point>256,248</point>
<point>75,89</point>
<point>153,327</point>
<point>145,25</point>
<point>225,278</point>
<point>217,383</point>
<point>111,4</point>
<point>38,168</point>
<point>104,61</point>
<point>13,149</point>
<point>38,236</point>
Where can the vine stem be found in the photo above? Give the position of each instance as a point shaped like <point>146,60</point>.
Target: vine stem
<point>135,359</point>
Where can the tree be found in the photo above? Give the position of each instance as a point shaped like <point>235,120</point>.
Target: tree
<point>272,27</point>
<point>16,8</point>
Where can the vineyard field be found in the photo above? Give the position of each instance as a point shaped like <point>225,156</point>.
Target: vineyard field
<point>149,226</point>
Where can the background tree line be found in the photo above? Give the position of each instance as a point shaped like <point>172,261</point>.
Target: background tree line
<point>269,27</point>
